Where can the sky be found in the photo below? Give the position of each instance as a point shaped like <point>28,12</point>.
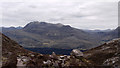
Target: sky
<point>82,14</point>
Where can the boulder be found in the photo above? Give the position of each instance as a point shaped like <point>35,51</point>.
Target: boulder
<point>76,53</point>
<point>54,56</point>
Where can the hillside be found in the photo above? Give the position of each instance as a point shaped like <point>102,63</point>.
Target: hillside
<point>42,34</point>
<point>10,51</point>
<point>106,54</point>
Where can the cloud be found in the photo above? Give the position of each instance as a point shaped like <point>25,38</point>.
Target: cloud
<point>94,14</point>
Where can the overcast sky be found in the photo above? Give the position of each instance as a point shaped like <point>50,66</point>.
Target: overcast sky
<point>88,14</point>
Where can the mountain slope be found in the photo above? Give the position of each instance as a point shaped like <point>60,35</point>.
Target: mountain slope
<point>107,54</point>
<point>42,34</point>
<point>10,50</point>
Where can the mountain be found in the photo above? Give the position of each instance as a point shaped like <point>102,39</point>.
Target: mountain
<point>11,28</point>
<point>46,35</point>
<point>106,54</point>
<point>107,36</point>
<point>41,34</point>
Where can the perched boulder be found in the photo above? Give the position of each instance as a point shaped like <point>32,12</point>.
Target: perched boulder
<point>76,53</point>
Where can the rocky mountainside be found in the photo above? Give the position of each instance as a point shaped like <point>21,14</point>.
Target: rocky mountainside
<point>106,54</point>
<point>10,50</point>
<point>42,34</point>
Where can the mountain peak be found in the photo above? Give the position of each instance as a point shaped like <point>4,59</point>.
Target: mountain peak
<point>34,24</point>
<point>37,22</point>
<point>59,25</point>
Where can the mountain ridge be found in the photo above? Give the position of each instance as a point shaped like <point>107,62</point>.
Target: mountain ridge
<point>43,34</point>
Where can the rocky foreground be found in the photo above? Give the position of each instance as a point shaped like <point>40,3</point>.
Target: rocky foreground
<point>14,56</point>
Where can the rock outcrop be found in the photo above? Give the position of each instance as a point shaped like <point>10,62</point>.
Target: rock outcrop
<point>77,53</point>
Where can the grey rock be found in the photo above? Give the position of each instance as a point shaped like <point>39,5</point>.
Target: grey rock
<point>76,53</point>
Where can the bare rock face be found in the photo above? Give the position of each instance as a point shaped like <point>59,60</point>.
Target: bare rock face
<point>76,53</point>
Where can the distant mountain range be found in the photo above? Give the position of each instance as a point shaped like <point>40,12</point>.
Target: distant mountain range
<point>107,30</point>
<point>12,28</point>
<point>41,34</point>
